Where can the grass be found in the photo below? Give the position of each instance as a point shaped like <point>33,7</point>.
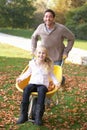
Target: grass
<point>82,44</point>
<point>69,114</point>
<point>26,33</point>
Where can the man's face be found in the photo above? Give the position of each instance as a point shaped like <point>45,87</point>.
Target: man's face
<point>48,19</point>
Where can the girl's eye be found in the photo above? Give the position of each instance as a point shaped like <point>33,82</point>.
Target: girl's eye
<point>43,53</point>
<point>39,52</point>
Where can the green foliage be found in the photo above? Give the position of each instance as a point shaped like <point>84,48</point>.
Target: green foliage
<point>76,20</point>
<point>40,6</point>
<point>77,3</point>
<point>82,31</point>
<point>16,13</point>
<point>29,13</point>
<point>27,33</point>
<point>61,7</point>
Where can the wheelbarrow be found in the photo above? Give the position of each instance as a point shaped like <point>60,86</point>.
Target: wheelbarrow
<point>49,95</point>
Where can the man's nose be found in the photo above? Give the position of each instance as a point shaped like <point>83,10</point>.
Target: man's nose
<point>48,18</point>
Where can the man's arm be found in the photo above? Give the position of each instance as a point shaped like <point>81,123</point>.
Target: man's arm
<point>70,41</point>
<point>34,39</point>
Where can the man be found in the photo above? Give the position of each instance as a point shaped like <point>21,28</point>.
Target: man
<point>52,36</point>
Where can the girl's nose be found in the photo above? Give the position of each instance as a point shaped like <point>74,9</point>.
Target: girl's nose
<point>48,18</point>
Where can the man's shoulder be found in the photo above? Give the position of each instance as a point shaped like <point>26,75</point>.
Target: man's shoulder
<point>41,25</point>
<point>60,25</point>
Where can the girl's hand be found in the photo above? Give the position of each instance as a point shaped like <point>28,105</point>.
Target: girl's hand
<point>18,80</point>
<point>58,85</point>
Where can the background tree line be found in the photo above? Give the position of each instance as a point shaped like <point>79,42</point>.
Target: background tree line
<point>29,14</point>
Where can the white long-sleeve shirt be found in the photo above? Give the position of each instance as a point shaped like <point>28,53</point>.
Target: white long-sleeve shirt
<point>38,75</point>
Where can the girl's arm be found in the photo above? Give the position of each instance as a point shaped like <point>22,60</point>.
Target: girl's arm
<point>54,79</point>
<point>24,75</point>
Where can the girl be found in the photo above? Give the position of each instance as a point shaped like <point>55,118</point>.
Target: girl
<point>40,69</point>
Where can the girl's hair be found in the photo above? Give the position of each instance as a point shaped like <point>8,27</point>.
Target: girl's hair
<point>48,65</point>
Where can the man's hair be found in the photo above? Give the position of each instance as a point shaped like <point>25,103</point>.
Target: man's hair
<point>51,11</point>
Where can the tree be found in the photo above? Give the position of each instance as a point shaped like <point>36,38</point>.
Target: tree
<point>76,20</point>
<point>77,3</point>
<point>63,6</point>
<point>40,6</point>
<point>17,13</point>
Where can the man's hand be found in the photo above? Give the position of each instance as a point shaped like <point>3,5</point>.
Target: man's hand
<point>64,57</point>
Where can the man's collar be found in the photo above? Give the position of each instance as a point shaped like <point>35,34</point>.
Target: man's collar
<point>50,30</point>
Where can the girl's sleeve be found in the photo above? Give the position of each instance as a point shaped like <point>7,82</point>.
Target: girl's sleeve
<point>26,74</point>
<point>54,79</point>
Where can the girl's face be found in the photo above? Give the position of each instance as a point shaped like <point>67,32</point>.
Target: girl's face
<point>41,54</point>
<point>48,18</point>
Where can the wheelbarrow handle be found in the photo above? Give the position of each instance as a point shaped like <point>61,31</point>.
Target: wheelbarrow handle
<point>62,62</point>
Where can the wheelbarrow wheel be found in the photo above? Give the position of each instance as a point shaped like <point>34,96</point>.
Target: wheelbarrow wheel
<point>34,108</point>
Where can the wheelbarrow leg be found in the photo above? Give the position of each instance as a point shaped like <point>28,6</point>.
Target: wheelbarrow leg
<point>55,101</point>
<point>57,97</point>
<point>32,108</point>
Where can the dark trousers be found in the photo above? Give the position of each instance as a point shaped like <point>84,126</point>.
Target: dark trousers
<point>40,89</point>
<point>58,62</point>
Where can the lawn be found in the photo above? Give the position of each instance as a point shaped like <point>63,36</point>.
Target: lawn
<point>18,32</point>
<point>69,114</point>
